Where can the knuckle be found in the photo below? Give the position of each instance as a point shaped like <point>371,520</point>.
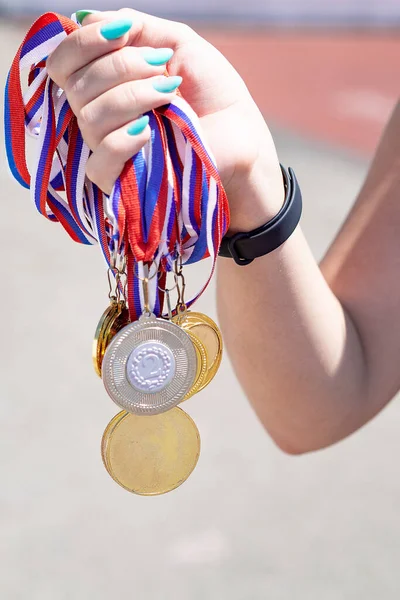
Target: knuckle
<point>102,171</point>
<point>121,63</point>
<point>51,66</point>
<point>85,117</point>
<point>97,173</point>
<point>77,40</point>
<point>111,147</point>
<point>130,93</point>
<point>125,10</point>
<point>91,170</point>
<point>185,31</point>
<point>71,87</point>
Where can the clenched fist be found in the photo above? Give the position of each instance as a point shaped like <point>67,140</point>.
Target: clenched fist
<point>112,71</point>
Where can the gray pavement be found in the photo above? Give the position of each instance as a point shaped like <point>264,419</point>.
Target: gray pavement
<point>250,524</point>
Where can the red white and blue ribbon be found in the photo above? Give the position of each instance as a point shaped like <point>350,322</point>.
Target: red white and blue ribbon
<point>168,203</point>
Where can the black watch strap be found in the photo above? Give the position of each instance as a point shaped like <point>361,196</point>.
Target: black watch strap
<point>245,247</point>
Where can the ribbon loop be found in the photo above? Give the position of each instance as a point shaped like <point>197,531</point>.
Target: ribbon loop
<point>168,202</point>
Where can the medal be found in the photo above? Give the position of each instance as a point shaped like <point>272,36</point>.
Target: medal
<point>201,371</point>
<point>151,455</point>
<point>167,208</point>
<point>114,318</point>
<point>208,333</point>
<point>149,366</point>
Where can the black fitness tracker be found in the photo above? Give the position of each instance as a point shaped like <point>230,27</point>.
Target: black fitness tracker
<point>245,247</point>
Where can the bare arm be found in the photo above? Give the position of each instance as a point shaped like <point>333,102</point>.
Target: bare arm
<point>313,370</point>
<point>317,349</point>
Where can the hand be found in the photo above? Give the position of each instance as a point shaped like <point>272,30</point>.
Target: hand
<point>109,84</point>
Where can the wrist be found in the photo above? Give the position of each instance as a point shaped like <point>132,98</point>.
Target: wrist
<point>255,197</point>
<point>244,246</point>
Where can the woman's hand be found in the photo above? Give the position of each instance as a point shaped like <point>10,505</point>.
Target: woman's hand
<point>109,85</point>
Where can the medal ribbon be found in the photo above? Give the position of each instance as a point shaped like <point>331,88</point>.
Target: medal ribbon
<point>167,204</point>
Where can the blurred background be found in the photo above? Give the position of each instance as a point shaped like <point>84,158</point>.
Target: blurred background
<point>251,523</point>
<point>307,12</point>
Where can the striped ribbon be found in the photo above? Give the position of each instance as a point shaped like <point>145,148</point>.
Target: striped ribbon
<point>168,203</point>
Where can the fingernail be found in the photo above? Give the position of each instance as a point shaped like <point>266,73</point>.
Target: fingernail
<point>116,29</point>
<point>157,56</point>
<point>81,14</point>
<point>138,126</point>
<point>168,84</point>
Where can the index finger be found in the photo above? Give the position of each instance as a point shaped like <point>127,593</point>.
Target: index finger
<point>85,45</point>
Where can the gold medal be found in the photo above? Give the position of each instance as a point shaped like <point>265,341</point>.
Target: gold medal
<point>151,455</point>
<point>208,333</point>
<point>114,318</point>
<point>202,363</point>
<point>98,342</point>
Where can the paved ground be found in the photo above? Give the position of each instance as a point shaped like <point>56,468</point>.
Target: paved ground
<point>251,523</point>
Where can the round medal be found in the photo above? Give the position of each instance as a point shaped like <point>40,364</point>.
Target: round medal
<point>151,455</point>
<point>202,362</point>
<point>113,319</point>
<point>149,366</point>
<point>208,333</point>
<point>98,347</point>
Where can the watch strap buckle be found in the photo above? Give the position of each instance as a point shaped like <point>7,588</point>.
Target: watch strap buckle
<point>239,260</point>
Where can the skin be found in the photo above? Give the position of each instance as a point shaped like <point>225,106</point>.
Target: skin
<point>325,339</point>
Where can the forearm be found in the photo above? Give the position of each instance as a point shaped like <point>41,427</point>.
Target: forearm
<point>315,348</point>
<point>295,351</point>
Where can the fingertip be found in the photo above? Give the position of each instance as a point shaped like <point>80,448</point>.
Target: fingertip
<point>167,85</point>
<point>157,57</point>
<point>138,126</point>
<point>82,14</point>
<point>116,29</point>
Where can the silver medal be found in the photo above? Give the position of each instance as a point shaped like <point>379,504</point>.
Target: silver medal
<point>149,366</point>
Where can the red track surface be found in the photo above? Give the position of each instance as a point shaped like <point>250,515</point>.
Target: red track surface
<point>339,88</point>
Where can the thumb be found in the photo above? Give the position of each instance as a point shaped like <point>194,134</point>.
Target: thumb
<point>146,30</point>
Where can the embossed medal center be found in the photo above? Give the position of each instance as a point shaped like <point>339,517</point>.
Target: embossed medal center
<point>150,367</point>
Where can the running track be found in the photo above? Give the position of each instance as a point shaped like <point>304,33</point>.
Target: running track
<point>337,88</point>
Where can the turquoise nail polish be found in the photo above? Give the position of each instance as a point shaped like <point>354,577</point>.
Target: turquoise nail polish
<point>157,56</point>
<point>116,29</point>
<point>81,14</point>
<point>168,84</point>
<point>138,126</point>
